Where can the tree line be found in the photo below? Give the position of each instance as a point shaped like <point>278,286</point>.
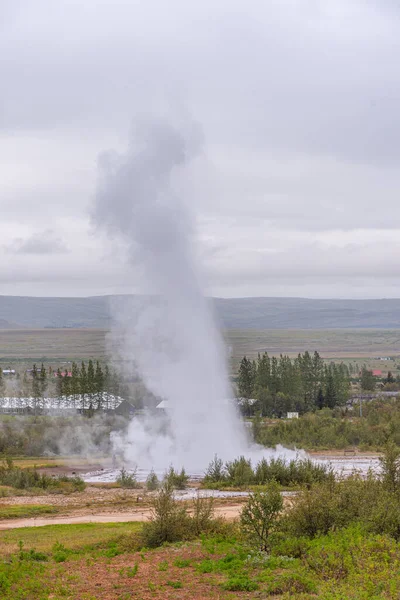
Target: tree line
<point>86,386</point>
<point>281,385</point>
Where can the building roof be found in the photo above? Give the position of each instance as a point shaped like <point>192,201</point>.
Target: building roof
<point>376,372</point>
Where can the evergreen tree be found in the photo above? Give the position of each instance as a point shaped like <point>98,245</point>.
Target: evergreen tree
<point>106,386</point>
<point>26,386</point>
<point>74,384</point>
<point>320,399</point>
<point>83,385</point>
<point>43,383</point>
<point>246,378</point>
<point>2,385</point>
<point>66,386</point>
<point>91,383</point>
<point>99,385</point>
<point>263,371</point>
<point>59,386</point>
<point>330,391</point>
<point>36,392</point>
<point>275,379</point>
<point>367,380</point>
<point>389,378</point>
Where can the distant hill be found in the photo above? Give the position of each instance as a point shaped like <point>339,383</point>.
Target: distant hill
<point>7,325</point>
<point>232,313</point>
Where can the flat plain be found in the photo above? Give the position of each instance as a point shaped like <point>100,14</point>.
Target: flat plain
<point>22,346</point>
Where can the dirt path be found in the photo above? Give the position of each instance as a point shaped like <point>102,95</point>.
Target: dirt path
<point>229,512</point>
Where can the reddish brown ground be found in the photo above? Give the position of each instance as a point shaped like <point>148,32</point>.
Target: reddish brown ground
<point>107,579</point>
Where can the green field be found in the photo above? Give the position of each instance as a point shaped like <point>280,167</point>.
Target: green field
<point>22,346</point>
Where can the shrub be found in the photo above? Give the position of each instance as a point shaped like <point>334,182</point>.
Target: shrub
<point>260,513</point>
<point>176,480</point>
<point>23,479</point>
<point>127,480</point>
<point>240,583</point>
<point>390,467</point>
<point>335,505</point>
<point>240,472</point>
<point>215,471</point>
<point>168,522</point>
<point>152,482</point>
<point>203,512</point>
<point>171,522</point>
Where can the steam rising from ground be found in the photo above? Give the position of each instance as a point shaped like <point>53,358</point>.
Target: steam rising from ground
<point>172,341</point>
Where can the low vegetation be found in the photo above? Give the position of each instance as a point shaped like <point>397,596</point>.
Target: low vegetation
<point>337,429</point>
<point>22,511</point>
<point>171,520</point>
<point>128,480</point>
<point>288,473</point>
<point>30,479</point>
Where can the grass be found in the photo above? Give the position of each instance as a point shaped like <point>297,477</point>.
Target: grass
<point>22,511</point>
<point>73,537</point>
<point>93,561</point>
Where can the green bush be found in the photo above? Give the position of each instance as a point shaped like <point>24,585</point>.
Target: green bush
<point>152,482</point>
<point>23,479</point>
<point>176,480</point>
<point>128,480</point>
<point>172,522</point>
<point>215,471</point>
<point>259,515</point>
<point>240,583</point>
<point>169,521</point>
<point>239,472</point>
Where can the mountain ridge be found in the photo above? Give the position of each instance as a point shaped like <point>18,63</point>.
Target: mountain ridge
<point>231,313</point>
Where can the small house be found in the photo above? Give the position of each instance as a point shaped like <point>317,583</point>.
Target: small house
<point>125,409</point>
<point>292,415</point>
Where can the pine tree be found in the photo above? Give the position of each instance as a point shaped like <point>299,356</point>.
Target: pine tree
<point>99,385</point>
<point>263,371</point>
<point>83,385</point>
<point>59,386</point>
<point>320,399</point>
<point>26,386</point>
<point>330,392</point>
<point>43,384</point>
<point>74,383</point>
<point>367,380</point>
<point>35,388</point>
<point>106,386</point>
<point>2,384</point>
<point>66,386</point>
<point>91,383</point>
<point>246,378</point>
<point>390,378</point>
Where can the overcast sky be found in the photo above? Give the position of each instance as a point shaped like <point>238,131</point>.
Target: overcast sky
<point>297,189</point>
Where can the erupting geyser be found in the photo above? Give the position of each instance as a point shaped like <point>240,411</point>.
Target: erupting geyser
<point>172,341</point>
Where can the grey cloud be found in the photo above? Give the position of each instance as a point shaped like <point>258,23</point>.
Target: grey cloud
<point>298,102</point>
<point>44,242</point>
<point>282,75</point>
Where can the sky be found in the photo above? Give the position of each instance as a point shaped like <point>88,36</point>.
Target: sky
<point>296,190</point>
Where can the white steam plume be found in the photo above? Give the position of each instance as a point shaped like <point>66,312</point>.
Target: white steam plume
<point>173,342</point>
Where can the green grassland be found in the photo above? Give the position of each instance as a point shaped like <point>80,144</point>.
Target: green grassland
<point>95,562</point>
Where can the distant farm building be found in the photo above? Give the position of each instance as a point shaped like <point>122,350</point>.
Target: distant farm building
<point>8,372</point>
<point>377,373</point>
<point>125,409</point>
<point>62,405</point>
<point>292,415</point>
